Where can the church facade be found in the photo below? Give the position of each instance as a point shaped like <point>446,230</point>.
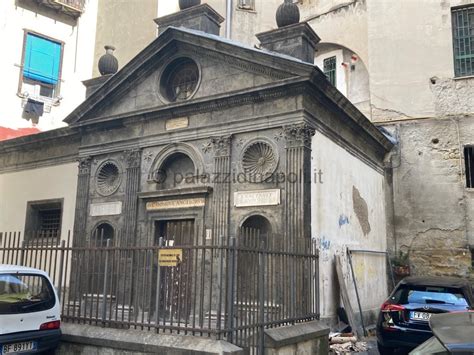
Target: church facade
<point>199,139</point>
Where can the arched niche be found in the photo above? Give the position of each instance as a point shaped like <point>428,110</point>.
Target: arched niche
<point>255,231</point>
<point>103,232</point>
<point>177,165</point>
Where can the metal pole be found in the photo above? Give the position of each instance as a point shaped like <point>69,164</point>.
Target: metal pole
<point>61,265</point>
<point>391,271</point>
<point>158,280</point>
<point>228,20</point>
<point>221,291</point>
<point>261,292</point>
<point>106,276</point>
<point>357,292</point>
<point>230,295</point>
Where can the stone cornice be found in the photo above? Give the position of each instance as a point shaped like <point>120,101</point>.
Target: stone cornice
<point>38,138</point>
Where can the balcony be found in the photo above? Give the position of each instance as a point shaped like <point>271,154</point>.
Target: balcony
<point>73,8</point>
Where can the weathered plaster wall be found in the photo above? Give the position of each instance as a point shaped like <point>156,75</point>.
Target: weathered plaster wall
<point>348,210</point>
<point>402,60</point>
<point>432,206</point>
<point>78,41</point>
<point>18,188</point>
<point>127,25</point>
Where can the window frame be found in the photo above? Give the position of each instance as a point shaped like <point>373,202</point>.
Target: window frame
<point>469,169</point>
<point>244,7</point>
<point>32,225</point>
<point>57,87</point>
<point>454,39</point>
<point>334,70</point>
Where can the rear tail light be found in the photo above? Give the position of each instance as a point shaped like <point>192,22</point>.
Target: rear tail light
<point>389,307</point>
<point>388,310</point>
<point>51,325</point>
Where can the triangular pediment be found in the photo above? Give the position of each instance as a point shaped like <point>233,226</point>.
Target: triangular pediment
<point>148,81</point>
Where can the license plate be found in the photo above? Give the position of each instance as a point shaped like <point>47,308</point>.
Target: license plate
<point>423,316</point>
<point>18,347</point>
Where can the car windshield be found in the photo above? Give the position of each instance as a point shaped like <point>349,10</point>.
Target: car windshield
<point>25,293</point>
<point>430,295</point>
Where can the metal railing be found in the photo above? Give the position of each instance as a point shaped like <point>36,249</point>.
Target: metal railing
<point>229,291</point>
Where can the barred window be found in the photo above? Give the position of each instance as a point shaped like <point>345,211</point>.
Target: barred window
<point>463,40</point>
<point>43,219</point>
<point>469,166</point>
<point>329,68</point>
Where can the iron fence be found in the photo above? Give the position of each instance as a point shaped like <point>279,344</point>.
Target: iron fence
<point>231,291</point>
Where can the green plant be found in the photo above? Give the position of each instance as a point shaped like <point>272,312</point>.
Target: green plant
<point>401,259</point>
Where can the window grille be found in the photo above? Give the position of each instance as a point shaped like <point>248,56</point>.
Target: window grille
<point>49,222</point>
<point>44,219</point>
<point>463,40</point>
<point>469,163</point>
<point>329,68</point>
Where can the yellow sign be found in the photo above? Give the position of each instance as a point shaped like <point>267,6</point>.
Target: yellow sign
<point>170,257</point>
<point>175,204</point>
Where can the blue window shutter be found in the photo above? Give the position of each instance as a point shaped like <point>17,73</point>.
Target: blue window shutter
<point>42,59</point>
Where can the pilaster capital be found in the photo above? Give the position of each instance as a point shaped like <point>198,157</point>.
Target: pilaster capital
<point>298,135</point>
<point>84,166</point>
<point>132,158</point>
<point>222,145</point>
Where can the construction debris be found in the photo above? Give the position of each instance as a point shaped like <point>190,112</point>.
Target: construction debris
<point>345,343</point>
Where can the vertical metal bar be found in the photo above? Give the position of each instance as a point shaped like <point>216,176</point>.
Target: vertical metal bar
<point>61,265</point>
<point>158,287</point>
<point>220,286</point>
<point>390,267</point>
<point>261,292</point>
<point>356,291</point>
<point>106,277</point>
<point>230,294</point>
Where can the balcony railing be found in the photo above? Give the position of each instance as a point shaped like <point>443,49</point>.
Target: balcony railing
<point>72,8</point>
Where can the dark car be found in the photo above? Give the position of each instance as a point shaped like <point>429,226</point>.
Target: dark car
<point>404,318</point>
<point>453,335</point>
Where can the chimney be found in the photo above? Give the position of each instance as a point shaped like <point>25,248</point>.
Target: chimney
<point>193,16</point>
<point>108,66</point>
<point>293,38</point>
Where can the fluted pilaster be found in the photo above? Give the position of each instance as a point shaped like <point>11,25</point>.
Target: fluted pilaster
<point>298,184</point>
<point>82,200</point>
<point>132,185</point>
<point>221,194</point>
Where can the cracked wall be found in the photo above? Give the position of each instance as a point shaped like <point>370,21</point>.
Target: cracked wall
<point>431,204</point>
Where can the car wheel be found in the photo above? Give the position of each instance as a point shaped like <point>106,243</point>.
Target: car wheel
<point>383,350</point>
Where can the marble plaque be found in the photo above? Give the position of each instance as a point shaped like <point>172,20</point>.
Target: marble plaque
<point>269,197</point>
<point>176,123</point>
<point>175,204</point>
<point>106,209</point>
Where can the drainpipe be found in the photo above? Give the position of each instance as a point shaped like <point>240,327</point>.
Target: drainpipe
<point>228,20</point>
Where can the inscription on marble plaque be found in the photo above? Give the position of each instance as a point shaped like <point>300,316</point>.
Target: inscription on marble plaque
<point>175,204</point>
<point>257,198</point>
<point>106,209</point>
<point>176,123</point>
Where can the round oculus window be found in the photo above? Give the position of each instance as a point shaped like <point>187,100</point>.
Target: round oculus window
<point>179,80</point>
<point>108,178</point>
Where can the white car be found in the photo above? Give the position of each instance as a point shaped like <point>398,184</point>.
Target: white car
<point>30,317</point>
